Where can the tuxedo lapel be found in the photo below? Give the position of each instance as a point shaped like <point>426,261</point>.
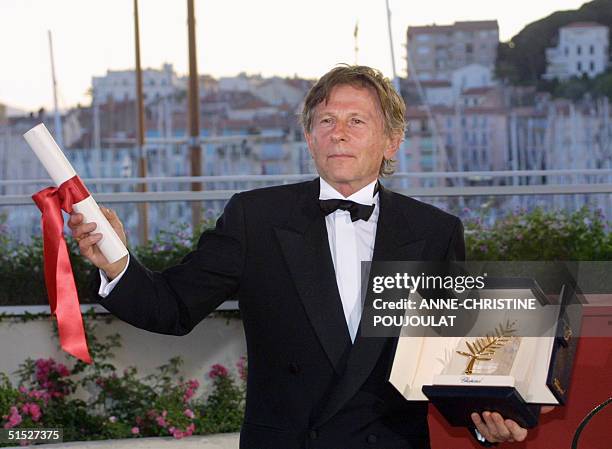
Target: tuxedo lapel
<point>395,240</point>
<point>306,251</point>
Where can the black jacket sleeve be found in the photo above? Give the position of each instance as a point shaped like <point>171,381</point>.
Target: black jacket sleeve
<point>176,299</point>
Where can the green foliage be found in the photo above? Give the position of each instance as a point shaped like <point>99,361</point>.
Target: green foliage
<point>21,265</point>
<point>540,235</point>
<point>169,247</point>
<point>523,59</point>
<point>8,395</point>
<point>224,409</point>
<point>576,88</point>
<point>119,405</point>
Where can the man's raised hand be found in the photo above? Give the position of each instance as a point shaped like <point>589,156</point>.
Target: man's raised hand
<point>87,239</point>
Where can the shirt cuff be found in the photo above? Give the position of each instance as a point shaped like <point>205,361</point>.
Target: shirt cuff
<point>107,286</point>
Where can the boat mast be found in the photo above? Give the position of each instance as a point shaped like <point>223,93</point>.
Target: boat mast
<point>59,134</point>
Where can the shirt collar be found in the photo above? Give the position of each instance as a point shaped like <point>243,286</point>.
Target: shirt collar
<point>364,196</point>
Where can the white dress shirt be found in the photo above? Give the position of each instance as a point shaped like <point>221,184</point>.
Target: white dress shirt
<point>350,243</point>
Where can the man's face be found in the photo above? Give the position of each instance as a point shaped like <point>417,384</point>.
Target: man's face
<point>347,140</point>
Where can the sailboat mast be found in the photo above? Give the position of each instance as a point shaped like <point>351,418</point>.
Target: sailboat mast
<point>59,134</point>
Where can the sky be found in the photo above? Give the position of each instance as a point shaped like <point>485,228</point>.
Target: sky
<point>270,37</point>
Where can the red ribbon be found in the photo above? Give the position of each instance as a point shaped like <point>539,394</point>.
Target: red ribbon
<point>63,297</point>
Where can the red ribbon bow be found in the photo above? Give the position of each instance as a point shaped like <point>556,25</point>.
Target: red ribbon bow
<point>63,297</point>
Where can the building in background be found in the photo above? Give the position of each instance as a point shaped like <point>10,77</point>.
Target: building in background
<point>120,85</point>
<point>242,133</point>
<point>582,49</point>
<point>436,51</point>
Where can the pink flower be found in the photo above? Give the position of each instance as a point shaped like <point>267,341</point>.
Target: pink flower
<point>62,370</point>
<point>242,367</point>
<point>135,430</point>
<point>112,419</point>
<point>217,370</point>
<point>40,394</point>
<point>192,385</point>
<point>189,413</point>
<point>32,409</point>
<point>47,374</point>
<point>161,421</point>
<point>14,418</point>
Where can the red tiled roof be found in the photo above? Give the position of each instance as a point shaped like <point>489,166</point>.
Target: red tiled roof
<point>478,90</point>
<point>252,103</point>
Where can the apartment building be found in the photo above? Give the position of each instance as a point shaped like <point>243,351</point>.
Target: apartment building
<point>435,51</point>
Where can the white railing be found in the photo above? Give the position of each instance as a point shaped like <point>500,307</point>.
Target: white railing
<point>602,186</point>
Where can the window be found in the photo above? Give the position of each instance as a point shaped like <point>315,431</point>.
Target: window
<point>592,66</point>
<point>566,51</point>
<point>592,49</point>
<point>579,66</point>
<point>579,50</point>
<point>469,48</point>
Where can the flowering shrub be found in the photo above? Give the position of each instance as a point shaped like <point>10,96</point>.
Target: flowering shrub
<point>169,247</point>
<point>224,409</point>
<point>121,405</point>
<point>540,235</point>
<point>21,265</point>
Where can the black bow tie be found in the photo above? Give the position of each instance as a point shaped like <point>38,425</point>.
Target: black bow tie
<point>357,211</point>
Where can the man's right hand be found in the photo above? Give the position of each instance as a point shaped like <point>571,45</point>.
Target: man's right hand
<point>83,233</point>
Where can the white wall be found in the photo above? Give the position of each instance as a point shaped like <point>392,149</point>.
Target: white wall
<point>214,340</point>
<point>473,75</point>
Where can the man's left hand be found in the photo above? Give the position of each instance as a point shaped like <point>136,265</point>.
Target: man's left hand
<point>496,429</point>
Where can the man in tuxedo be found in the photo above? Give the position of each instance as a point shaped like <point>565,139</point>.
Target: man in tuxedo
<point>291,256</point>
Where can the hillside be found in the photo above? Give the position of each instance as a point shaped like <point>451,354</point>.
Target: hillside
<point>523,61</point>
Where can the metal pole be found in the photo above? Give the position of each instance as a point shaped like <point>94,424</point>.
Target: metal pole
<point>59,134</point>
<point>143,220</point>
<point>395,78</point>
<point>195,150</point>
<point>356,38</point>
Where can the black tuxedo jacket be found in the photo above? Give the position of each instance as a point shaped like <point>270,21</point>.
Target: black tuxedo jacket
<point>308,386</point>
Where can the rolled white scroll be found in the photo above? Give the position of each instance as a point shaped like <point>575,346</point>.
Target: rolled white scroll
<point>60,170</point>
